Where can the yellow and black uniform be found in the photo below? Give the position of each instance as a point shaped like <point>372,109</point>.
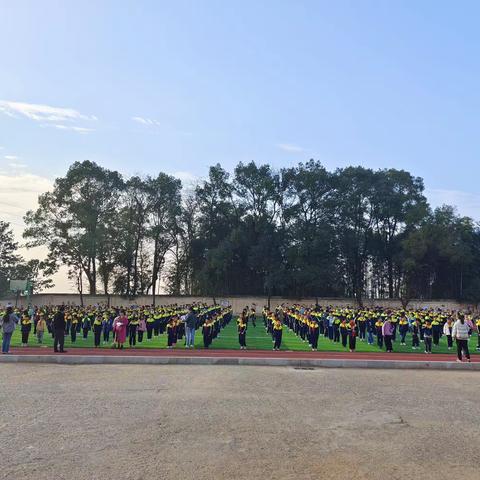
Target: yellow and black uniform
<point>277,334</point>
<point>97,330</point>
<point>344,332</point>
<point>150,324</point>
<point>73,328</point>
<point>477,323</point>
<point>314,334</point>
<point>26,327</point>
<point>242,334</point>
<point>132,330</point>
<point>207,331</point>
<point>378,329</point>
<point>403,329</point>
<point>171,333</point>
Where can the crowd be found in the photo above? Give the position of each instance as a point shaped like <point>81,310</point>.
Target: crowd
<point>385,328</point>
<point>134,324</point>
<point>380,326</point>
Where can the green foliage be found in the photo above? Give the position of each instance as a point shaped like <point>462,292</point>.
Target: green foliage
<point>301,231</point>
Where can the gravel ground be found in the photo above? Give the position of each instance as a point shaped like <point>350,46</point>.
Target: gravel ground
<point>212,422</point>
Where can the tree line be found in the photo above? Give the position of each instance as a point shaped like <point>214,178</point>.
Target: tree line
<point>301,231</point>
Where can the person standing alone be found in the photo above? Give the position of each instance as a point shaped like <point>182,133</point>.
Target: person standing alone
<point>59,325</point>
<point>190,325</point>
<point>7,323</point>
<point>460,334</point>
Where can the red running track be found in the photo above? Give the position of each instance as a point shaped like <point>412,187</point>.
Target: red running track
<point>179,352</point>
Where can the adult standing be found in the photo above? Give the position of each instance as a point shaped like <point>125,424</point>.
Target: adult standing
<point>460,334</point>
<point>190,325</point>
<point>59,325</point>
<point>120,330</point>
<point>8,323</point>
<point>387,332</point>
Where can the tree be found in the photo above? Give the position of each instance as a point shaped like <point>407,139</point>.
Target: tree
<point>8,256</point>
<point>69,220</point>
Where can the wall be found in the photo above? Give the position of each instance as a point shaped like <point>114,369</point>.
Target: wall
<point>237,302</point>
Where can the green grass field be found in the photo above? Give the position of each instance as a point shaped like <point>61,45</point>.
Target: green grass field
<point>257,339</point>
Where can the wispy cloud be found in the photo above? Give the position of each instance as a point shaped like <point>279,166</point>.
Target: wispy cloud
<point>72,128</point>
<point>146,121</point>
<point>17,165</point>
<point>58,117</point>
<point>291,148</point>
<point>11,157</point>
<point>467,203</point>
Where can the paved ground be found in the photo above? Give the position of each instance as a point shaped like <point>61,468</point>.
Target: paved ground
<point>203,422</point>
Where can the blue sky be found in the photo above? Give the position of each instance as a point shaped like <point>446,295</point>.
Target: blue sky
<point>177,86</point>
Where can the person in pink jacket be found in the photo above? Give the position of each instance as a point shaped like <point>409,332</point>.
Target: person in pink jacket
<point>142,327</point>
<point>120,330</point>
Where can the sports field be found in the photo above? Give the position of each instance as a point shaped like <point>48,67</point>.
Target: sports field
<point>257,339</point>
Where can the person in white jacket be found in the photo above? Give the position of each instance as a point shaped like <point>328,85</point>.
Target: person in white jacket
<point>447,331</point>
<point>460,334</point>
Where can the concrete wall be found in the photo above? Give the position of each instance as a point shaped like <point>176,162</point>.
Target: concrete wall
<point>237,302</point>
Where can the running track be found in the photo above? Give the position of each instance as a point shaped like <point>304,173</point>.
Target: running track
<point>214,353</point>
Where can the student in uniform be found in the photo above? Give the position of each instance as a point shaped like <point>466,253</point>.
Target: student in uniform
<point>73,328</point>
<point>477,324</point>
<point>403,329</point>
<point>25,327</point>
<point>207,331</point>
<point>107,326</point>
<point>435,331</point>
<point>171,333</point>
<point>314,334</point>
<point>41,327</point>
<point>344,331</point>
<point>427,336</point>
<point>97,329</point>
<point>242,333</point>
<point>379,330</point>
<point>253,316</point>
<point>336,330</point>
<point>416,327</point>
<point>352,335</point>
<point>150,323</point>
<point>132,330</point>
<point>277,333</point>
<point>86,325</point>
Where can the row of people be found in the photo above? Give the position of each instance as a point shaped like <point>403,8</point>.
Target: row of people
<point>346,324</point>
<point>129,323</point>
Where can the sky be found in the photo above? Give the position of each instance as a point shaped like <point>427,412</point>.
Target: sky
<point>149,86</point>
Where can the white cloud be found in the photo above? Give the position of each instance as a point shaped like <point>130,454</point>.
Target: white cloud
<point>72,128</point>
<point>17,165</point>
<point>186,177</point>
<point>146,121</point>
<point>289,147</point>
<point>467,203</point>
<point>11,157</point>
<point>48,115</point>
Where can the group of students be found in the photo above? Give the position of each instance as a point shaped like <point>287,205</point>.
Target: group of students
<point>382,326</point>
<point>119,325</point>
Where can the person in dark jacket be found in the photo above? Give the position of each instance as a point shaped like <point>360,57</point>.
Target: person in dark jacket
<point>191,321</point>
<point>7,324</point>
<point>59,325</point>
